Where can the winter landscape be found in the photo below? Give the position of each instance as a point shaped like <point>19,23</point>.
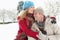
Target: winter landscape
<point>9,13</point>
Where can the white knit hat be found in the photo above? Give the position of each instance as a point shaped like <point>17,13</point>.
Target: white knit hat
<point>40,10</point>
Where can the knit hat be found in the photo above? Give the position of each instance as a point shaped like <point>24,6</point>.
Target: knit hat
<point>27,4</point>
<point>40,10</point>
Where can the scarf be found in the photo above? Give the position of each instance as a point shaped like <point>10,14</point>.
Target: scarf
<point>30,18</point>
<point>40,24</point>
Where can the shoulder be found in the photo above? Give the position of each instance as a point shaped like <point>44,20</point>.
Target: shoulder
<point>20,20</point>
<point>21,15</point>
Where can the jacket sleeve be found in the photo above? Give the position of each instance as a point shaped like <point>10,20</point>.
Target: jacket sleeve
<point>26,30</point>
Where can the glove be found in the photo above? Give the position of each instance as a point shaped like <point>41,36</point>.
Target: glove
<point>42,36</point>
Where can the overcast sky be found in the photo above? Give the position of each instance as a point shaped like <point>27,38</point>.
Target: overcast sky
<point>12,4</point>
<point>8,4</point>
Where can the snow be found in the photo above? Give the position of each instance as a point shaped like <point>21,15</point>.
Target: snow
<point>8,31</point>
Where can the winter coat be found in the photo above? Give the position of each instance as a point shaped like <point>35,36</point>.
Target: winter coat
<point>41,31</point>
<point>25,30</point>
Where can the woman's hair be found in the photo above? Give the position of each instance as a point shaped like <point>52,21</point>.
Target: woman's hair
<point>23,14</point>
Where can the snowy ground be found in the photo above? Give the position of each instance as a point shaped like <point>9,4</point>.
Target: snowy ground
<point>8,31</point>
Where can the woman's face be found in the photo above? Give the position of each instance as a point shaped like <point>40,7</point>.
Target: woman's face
<point>38,17</point>
<point>30,9</point>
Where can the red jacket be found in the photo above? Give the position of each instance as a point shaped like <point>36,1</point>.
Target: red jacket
<point>23,28</point>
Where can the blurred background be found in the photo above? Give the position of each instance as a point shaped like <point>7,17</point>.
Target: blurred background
<point>9,9</point>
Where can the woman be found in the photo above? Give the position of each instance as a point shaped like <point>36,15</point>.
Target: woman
<point>25,21</point>
<point>39,18</point>
<point>39,24</point>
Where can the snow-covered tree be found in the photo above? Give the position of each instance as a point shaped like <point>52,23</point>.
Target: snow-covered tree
<point>12,15</point>
<point>19,7</point>
<point>53,7</point>
<point>2,15</point>
<point>7,16</point>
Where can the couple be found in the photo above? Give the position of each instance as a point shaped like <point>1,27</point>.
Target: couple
<point>29,18</point>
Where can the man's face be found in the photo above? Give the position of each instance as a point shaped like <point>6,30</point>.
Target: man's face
<point>38,17</point>
<point>31,9</point>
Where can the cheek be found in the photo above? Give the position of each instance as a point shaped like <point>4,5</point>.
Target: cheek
<point>35,16</point>
<point>41,18</point>
<point>30,11</point>
<point>38,16</point>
